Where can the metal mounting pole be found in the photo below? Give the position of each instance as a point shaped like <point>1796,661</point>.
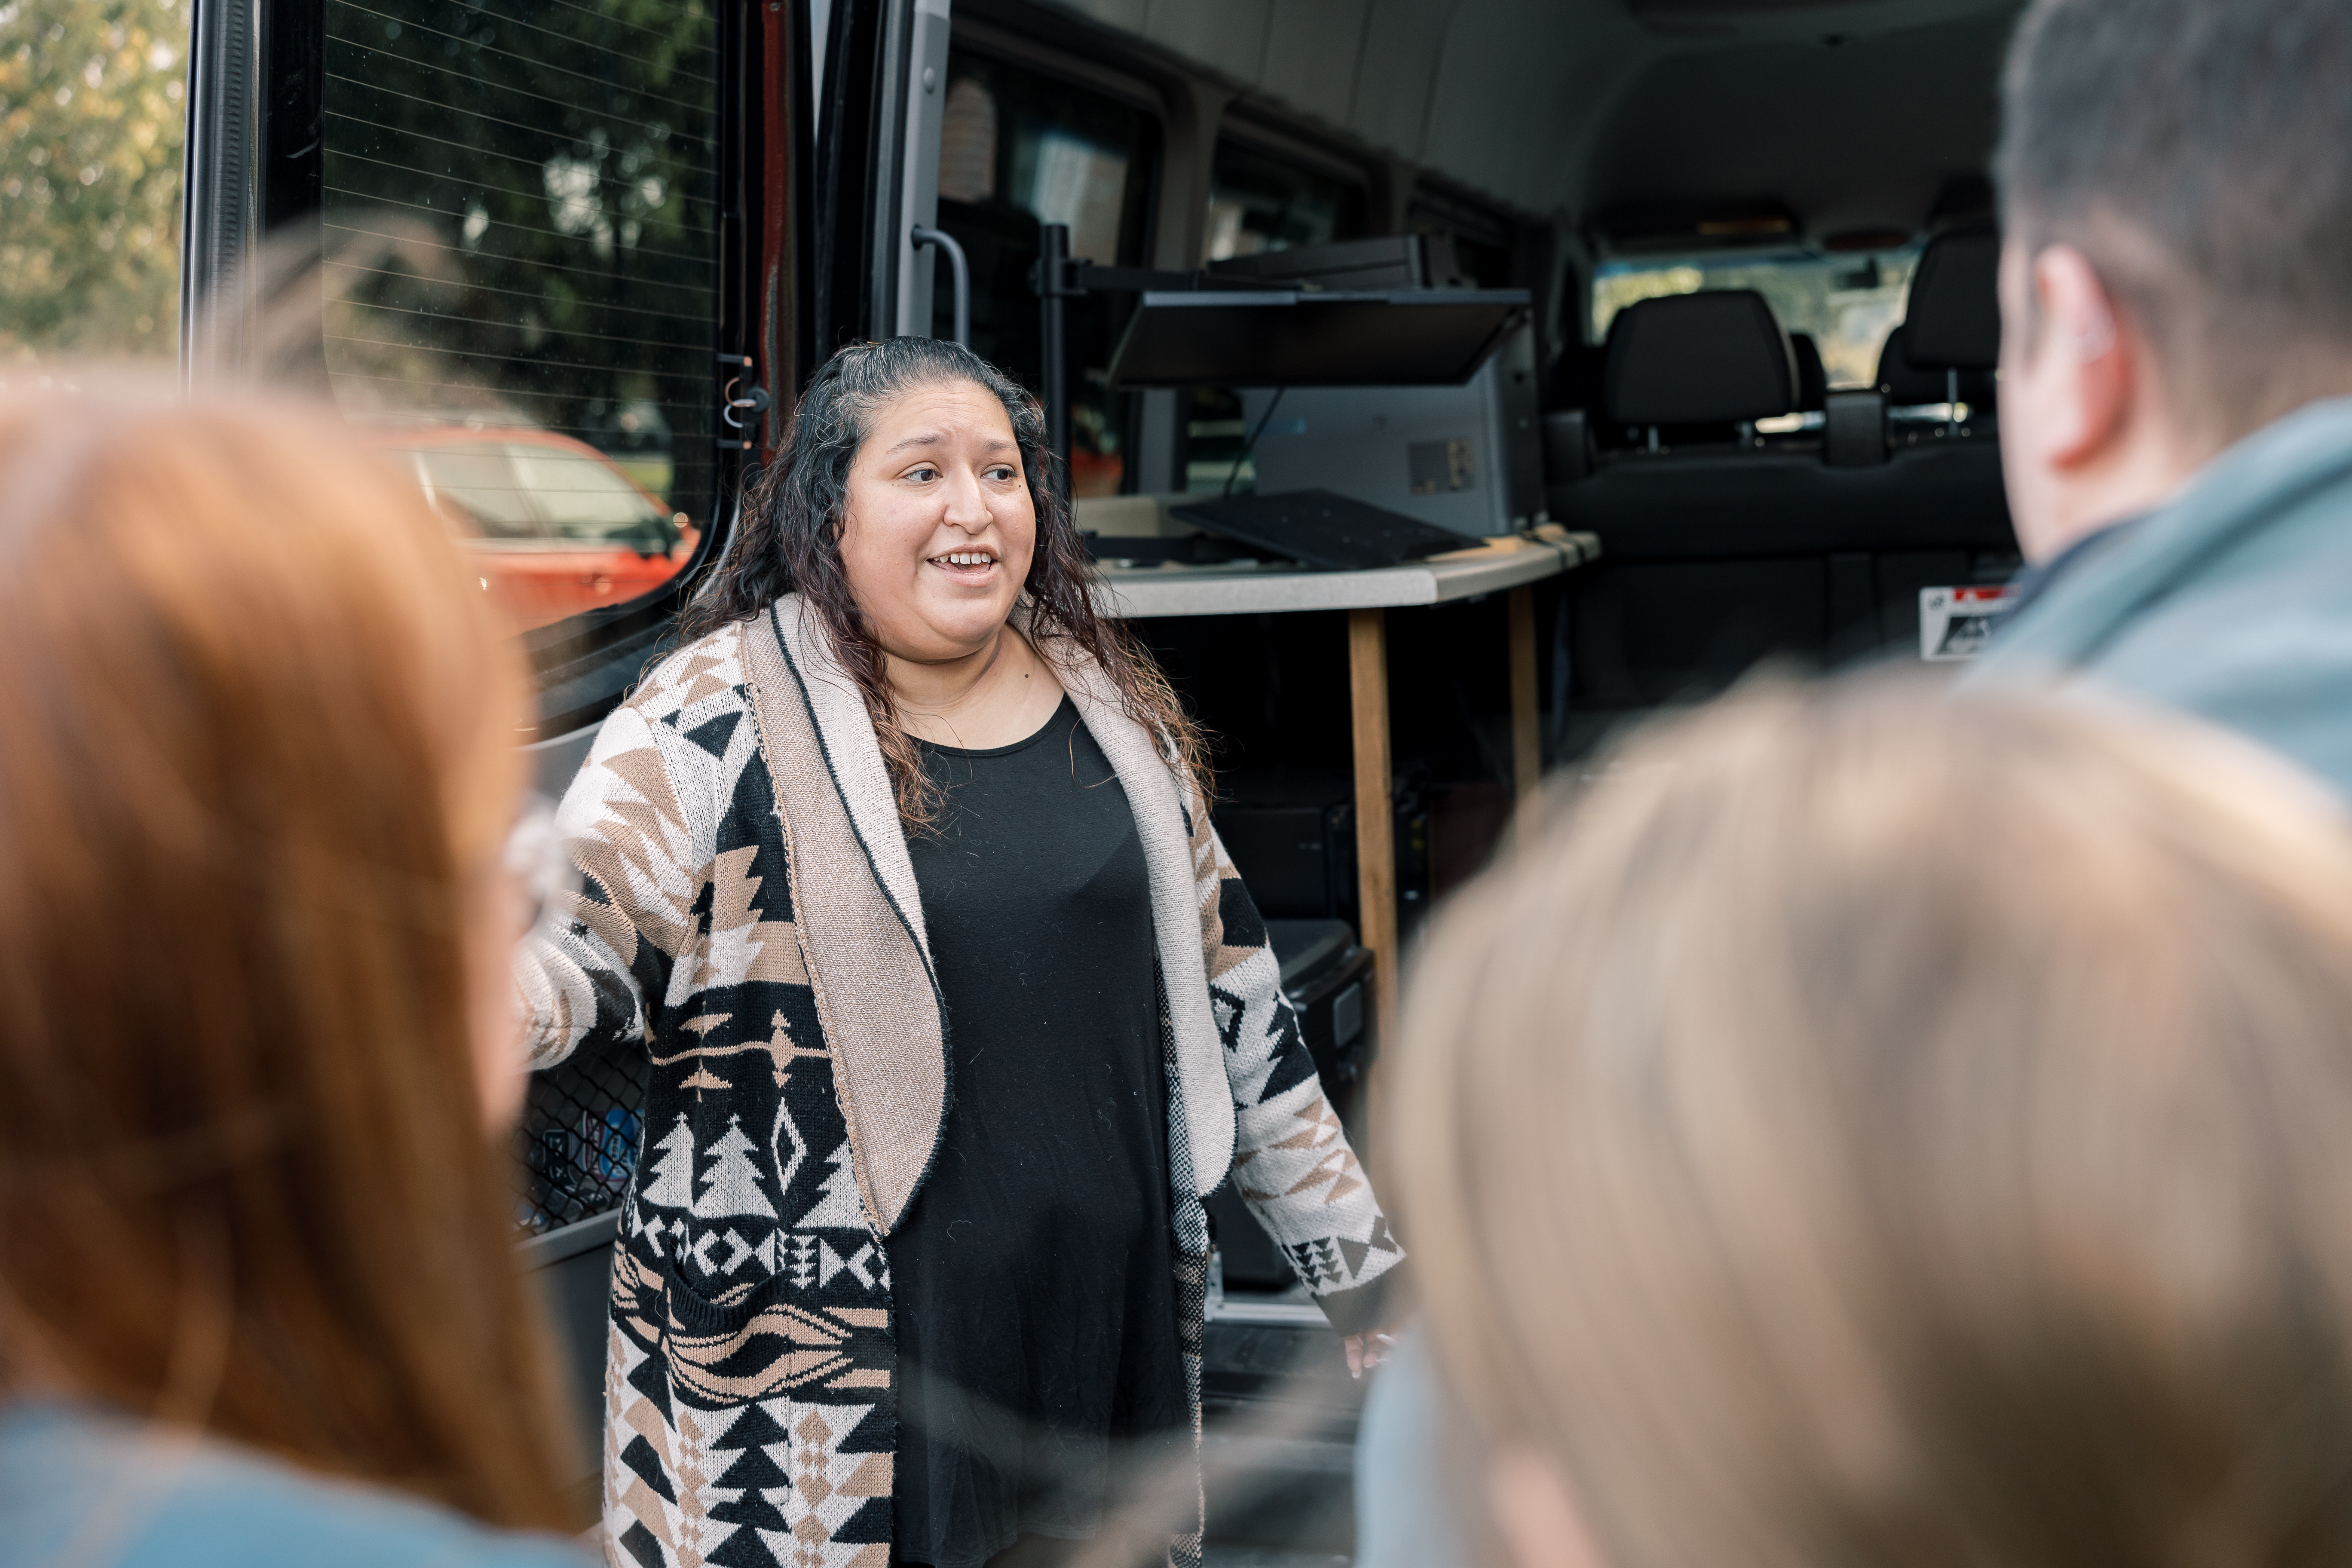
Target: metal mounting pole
<point>1052,288</point>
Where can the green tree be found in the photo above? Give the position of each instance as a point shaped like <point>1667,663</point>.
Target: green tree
<point>91,120</point>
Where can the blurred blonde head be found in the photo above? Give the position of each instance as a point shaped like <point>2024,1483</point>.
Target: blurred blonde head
<point>1870,1129</point>
<point>257,764</point>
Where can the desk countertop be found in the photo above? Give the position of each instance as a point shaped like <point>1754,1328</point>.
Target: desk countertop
<point>1142,592</point>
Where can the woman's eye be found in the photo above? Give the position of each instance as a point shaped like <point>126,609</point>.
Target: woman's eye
<point>924,473</point>
<point>1002,472</point>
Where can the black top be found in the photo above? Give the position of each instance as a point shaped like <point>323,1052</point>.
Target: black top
<point>1031,1276</point>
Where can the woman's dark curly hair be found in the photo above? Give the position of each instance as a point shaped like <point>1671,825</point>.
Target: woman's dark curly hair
<point>790,543</point>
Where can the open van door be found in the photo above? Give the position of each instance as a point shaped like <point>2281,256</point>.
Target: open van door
<point>879,69</point>
<point>563,263</point>
<point>541,257</point>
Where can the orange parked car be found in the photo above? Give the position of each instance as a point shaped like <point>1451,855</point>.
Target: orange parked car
<point>556,526</point>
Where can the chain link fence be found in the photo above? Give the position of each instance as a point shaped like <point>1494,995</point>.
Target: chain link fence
<point>582,1124</point>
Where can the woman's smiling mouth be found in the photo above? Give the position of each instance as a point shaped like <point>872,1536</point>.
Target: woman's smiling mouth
<point>971,565</point>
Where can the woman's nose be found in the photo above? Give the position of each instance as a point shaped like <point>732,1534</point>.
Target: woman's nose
<point>967,507</point>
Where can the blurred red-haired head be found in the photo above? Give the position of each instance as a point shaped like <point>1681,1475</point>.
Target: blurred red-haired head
<point>257,760</point>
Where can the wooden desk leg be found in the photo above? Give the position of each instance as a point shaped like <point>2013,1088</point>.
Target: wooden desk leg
<point>1527,746</point>
<point>1368,682</point>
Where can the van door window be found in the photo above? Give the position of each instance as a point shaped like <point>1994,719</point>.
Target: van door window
<point>1018,150</point>
<point>520,252</point>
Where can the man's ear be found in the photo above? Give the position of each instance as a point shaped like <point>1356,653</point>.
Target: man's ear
<point>2087,360</point>
<point>1536,1515</point>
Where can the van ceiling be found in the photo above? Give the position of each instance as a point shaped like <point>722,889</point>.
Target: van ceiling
<point>1852,112</point>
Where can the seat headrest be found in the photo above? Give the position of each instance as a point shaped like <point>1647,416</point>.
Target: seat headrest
<point>1903,382</point>
<point>1812,375</point>
<point>1953,322</point>
<point>1697,359</point>
<point>1907,384</point>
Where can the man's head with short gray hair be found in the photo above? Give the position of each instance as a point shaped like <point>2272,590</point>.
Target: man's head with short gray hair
<point>2199,153</point>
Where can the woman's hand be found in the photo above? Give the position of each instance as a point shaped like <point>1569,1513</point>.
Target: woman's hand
<point>1365,1352</point>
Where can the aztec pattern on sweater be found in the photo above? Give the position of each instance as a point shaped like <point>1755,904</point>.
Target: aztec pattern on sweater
<point>736,918</point>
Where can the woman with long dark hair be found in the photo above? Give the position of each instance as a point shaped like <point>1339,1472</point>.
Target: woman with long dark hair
<point>902,863</point>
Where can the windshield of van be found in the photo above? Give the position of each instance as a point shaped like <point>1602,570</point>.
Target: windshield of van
<point>1848,303</point>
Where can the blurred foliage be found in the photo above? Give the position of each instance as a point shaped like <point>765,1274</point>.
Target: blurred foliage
<point>91,120</point>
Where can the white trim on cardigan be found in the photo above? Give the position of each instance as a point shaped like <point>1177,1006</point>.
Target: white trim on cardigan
<point>1152,794</point>
<point>845,729</point>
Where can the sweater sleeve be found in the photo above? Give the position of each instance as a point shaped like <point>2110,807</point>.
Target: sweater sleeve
<point>596,969</point>
<point>1291,1163</point>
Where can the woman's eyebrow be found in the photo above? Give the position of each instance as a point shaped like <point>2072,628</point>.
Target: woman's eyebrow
<point>934,437</point>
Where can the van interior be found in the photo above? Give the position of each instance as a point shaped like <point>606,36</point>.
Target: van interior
<point>572,259</point>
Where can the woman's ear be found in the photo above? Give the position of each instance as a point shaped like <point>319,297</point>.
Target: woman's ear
<point>1535,1513</point>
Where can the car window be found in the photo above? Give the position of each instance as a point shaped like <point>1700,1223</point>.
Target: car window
<point>476,487</point>
<point>1849,303</point>
<point>1019,149</point>
<point>585,496</point>
<point>519,230</point>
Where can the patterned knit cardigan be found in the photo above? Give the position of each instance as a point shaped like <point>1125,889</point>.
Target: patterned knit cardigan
<point>749,912</point>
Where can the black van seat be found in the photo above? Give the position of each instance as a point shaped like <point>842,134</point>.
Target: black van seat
<point>1949,342</point>
<point>1712,557</point>
<point>1710,358</point>
<point>1703,504</point>
<point>1954,312</point>
<point>1691,361</point>
<point>1717,356</point>
<point>1689,367</point>
<point>1907,384</point>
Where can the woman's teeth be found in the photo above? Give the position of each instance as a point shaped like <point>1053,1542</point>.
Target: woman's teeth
<point>966,558</point>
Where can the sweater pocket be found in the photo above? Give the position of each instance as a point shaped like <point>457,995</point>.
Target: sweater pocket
<point>773,1420</point>
<point>760,1339</point>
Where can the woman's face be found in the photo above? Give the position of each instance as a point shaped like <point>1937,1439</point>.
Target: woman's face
<point>939,528</point>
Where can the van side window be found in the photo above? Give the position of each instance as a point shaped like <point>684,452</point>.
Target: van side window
<point>1259,201</point>
<point>520,267</point>
<point>1018,150</point>
<point>1476,239</point>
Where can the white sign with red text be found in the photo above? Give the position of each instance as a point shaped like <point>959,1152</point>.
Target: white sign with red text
<point>1955,623</point>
